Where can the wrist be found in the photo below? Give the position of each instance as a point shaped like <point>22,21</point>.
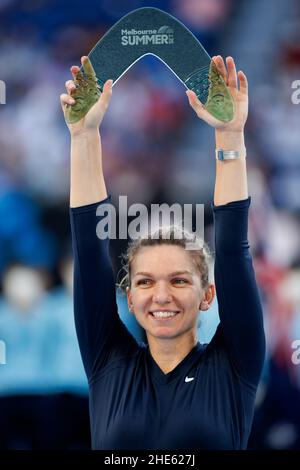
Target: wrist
<point>230,140</point>
<point>84,133</point>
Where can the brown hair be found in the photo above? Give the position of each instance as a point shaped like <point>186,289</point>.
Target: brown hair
<point>168,235</point>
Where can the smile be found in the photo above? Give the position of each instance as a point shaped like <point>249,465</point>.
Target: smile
<point>158,314</point>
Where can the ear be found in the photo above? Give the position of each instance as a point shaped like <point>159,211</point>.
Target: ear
<point>204,306</point>
<point>208,298</point>
<point>129,300</point>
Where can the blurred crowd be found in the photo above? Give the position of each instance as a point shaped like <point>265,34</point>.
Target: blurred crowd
<point>155,150</point>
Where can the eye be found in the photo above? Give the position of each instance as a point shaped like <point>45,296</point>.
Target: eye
<point>180,281</point>
<point>143,282</point>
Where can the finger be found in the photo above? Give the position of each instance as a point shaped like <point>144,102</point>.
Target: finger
<point>243,82</point>
<point>87,66</point>
<point>74,70</point>
<point>66,100</point>
<point>232,76</point>
<point>219,62</point>
<point>70,85</point>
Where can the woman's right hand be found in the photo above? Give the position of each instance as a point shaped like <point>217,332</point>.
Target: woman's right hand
<point>94,116</point>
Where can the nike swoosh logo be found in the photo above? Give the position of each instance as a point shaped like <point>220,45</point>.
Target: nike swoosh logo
<point>189,379</point>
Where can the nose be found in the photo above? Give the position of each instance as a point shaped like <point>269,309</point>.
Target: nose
<point>161,294</point>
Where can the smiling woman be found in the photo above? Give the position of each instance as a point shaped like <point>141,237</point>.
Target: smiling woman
<point>172,393</point>
<point>166,286</point>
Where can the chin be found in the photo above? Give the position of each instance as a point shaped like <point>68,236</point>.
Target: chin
<point>164,334</point>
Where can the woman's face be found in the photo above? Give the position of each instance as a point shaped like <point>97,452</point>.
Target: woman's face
<point>165,279</point>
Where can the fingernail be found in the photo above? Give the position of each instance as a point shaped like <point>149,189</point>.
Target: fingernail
<point>110,82</point>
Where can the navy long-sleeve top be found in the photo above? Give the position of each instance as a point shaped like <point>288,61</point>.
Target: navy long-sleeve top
<point>133,403</point>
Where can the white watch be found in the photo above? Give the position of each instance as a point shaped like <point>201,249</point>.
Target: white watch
<point>228,154</point>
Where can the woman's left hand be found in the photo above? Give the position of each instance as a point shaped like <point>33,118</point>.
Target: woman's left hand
<point>239,95</point>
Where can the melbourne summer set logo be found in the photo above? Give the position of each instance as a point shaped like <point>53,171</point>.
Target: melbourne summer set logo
<point>134,37</point>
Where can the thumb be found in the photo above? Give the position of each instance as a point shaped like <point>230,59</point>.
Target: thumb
<point>200,109</point>
<point>106,94</point>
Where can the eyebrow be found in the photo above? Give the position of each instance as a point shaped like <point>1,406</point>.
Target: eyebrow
<point>174,273</point>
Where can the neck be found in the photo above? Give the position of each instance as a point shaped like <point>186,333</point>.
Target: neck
<point>169,352</point>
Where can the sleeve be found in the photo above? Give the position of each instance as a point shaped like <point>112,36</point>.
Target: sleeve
<point>240,311</point>
<point>102,336</point>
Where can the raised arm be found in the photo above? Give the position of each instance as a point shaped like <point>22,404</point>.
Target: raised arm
<point>231,175</point>
<point>102,336</point>
<point>87,179</point>
<point>238,299</point>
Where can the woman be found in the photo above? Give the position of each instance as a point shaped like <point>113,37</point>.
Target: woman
<point>173,393</point>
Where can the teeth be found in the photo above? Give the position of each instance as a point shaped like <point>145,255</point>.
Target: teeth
<point>163,314</point>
